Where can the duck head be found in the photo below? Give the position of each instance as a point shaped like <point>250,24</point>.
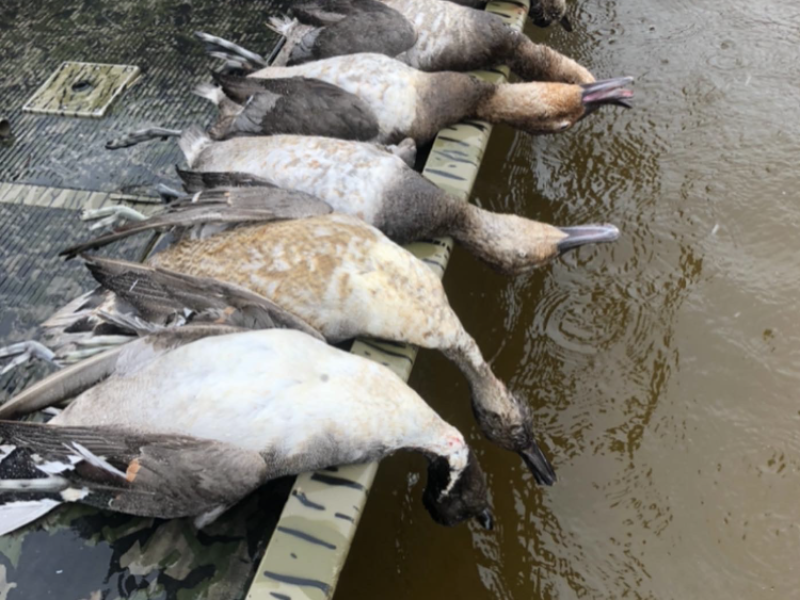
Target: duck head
<point>452,496</point>
<point>512,428</point>
<point>547,107</point>
<point>545,12</point>
<point>516,245</point>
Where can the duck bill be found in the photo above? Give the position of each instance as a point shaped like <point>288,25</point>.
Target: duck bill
<point>485,519</point>
<point>608,91</point>
<point>540,467</point>
<point>566,24</point>
<point>586,234</point>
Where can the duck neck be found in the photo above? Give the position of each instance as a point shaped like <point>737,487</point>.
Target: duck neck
<point>490,397</point>
<point>446,98</point>
<point>500,106</point>
<point>537,62</point>
<point>489,236</point>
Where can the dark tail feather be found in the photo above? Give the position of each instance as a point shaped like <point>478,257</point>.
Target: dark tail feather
<point>197,181</point>
<point>236,55</point>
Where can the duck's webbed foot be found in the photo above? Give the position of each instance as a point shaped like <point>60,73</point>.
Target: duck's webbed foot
<point>22,352</point>
<point>108,216</point>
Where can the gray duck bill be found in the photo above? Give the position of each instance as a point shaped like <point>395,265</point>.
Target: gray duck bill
<point>485,519</point>
<point>540,467</point>
<point>607,91</point>
<point>587,234</point>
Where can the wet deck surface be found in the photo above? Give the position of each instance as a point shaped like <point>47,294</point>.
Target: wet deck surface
<point>52,167</point>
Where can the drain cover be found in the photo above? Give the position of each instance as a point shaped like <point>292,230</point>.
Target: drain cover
<point>79,89</point>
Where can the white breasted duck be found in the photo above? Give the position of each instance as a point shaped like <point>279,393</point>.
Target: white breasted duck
<point>364,180</point>
<point>382,100</point>
<point>192,433</point>
<point>428,35</point>
<point>342,277</point>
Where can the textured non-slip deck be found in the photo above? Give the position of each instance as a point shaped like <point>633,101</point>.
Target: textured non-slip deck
<point>51,166</point>
<point>156,36</point>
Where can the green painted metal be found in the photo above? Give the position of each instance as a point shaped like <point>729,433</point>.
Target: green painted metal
<point>327,506</point>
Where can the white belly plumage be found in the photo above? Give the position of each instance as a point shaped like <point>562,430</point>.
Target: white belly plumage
<point>276,390</point>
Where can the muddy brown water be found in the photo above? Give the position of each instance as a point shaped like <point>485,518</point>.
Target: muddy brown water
<point>664,369</point>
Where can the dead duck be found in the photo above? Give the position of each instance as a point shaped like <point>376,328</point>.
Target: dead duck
<point>380,188</point>
<point>160,440</point>
<point>542,13</point>
<point>382,100</point>
<point>430,36</point>
<point>342,277</point>
<point>375,98</point>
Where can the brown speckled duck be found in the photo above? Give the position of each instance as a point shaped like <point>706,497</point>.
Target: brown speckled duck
<point>339,275</point>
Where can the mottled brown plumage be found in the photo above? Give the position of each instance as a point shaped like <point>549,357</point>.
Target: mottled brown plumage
<point>346,279</point>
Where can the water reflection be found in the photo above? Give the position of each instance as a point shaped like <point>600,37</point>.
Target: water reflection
<point>663,369</point>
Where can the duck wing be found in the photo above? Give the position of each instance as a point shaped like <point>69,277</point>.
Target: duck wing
<point>294,105</point>
<point>137,300</point>
<point>349,27</point>
<point>148,475</point>
<point>162,296</point>
<point>197,181</point>
<point>72,380</point>
<point>221,206</point>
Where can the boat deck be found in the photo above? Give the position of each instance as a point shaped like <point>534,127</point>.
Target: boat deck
<point>55,165</point>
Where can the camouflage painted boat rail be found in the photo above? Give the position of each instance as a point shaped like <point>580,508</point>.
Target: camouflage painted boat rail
<point>313,536</point>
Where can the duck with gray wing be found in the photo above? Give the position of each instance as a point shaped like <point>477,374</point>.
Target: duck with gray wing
<point>382,100</point>
<point>338,275</point>
<point>363,180</point>
<point>428,35</point>
<point>192,433</point>
<point>375,98</point>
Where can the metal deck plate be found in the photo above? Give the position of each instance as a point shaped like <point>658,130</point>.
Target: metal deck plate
<point>79,89</point>
<point>155,35</point>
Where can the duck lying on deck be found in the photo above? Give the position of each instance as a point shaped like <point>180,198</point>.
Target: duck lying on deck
<point>543,13</point>
<point>382,100</point>
<point>340,276</point>
<point>380,188</point>
<point>192,433</point>
<point>428,35</point>
<point>375,98</point>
